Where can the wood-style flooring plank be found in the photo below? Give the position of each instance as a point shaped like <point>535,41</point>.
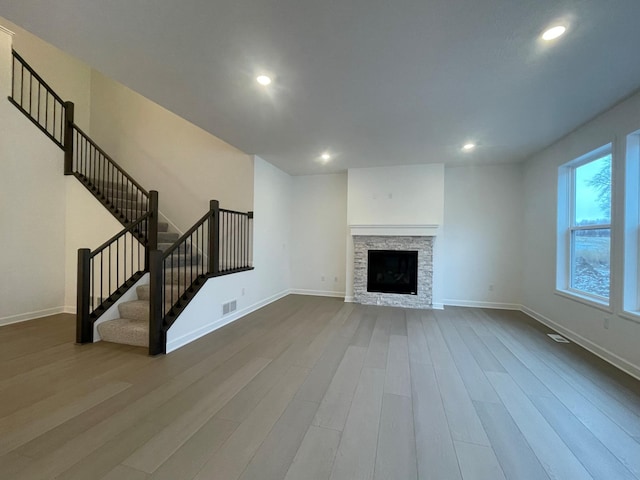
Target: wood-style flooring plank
<point>435,451</point>
<point>472,375</point>
<point>464,424</point>
<point>274,457</point>
<point>398,378</point>
<point>187,461</point>
<point>336,403</point>
<point>555,456</point>
<point>517,459</point>
<point>315,456</point>
<point>356,455</point>
<point>185,422</point>
<point>122,472</point>
<point>478,462</point>
<point>597,459</point>
<point>396,453</point>
<point>233,457</point>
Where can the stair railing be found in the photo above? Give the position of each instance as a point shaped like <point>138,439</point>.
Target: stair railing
<point>99,173</point>
<point>37,100</point>
<point>220,243</point>
<point>105,274</point>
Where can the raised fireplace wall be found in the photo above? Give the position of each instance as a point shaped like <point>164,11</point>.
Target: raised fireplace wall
<point>424,245</point>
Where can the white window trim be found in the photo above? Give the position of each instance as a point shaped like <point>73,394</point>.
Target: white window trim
<point>565,228</point>
<point>631,285</point>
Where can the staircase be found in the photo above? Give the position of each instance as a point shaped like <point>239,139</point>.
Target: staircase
<point>132,328</point>
<point>220,243</point>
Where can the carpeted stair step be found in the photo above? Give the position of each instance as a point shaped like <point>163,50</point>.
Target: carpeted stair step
<point>181,259</point>
<point>180,276</point>
<point>184,248</point>
<point>135,310</point>
<point>125,330</point>
<point>144,293</point>
<point>167,237</point>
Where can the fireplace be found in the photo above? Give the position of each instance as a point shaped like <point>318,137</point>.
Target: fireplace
<point>392,271</point>
<point>373,284</point>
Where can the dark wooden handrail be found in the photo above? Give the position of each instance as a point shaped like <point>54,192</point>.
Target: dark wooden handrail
<point>36,76</point>
<point>121,233</point>
<point>111,160</point>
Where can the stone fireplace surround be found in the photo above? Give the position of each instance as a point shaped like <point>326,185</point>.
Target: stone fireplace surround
<point>367,238</point>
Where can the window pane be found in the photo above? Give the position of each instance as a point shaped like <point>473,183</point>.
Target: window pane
<point>593,192</point>
<point>590,261</point>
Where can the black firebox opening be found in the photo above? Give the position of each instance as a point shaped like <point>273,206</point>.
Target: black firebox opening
<point>392,271</point>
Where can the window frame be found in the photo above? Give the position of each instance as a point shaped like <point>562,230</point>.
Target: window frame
<point>631,269</point>
<point>567,228</point>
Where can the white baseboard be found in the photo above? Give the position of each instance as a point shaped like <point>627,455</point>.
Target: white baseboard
<point>70,309</point>
<point>437,306</point>
<point>603,353</point>
<point>23,317</point>
<point>317,293</point>
<point>200,332</point>
<point>349,299</point>
<point>476,304</point>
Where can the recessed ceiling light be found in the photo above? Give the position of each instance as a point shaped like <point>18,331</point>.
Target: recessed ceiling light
<point>325,156</point>
<point>467,147</point>
<point>554,32</point>
<point>263,80</point>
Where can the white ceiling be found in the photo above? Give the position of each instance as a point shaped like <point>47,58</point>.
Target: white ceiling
<point>375,82</point>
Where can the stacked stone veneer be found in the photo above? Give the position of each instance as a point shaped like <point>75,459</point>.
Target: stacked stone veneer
<point>424,245</point>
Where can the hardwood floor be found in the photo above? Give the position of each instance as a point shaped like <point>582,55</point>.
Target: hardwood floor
<point>313,388</point>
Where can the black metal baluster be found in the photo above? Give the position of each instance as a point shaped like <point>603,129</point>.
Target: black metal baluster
<point>110,291</point>
<point>101,277</point>
<point>46,112</point>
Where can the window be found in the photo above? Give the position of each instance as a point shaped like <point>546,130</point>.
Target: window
<point>631,291</point>
<point>584,226</point>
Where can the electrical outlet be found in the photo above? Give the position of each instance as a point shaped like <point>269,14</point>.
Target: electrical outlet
<point>491,287</point>
<point>243,291</point>
<point>322,278</point>
<point>606,323</point>
<point>390,196</point>
<point>335,279</point>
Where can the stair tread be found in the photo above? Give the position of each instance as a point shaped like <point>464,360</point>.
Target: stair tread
<point>126,331</point>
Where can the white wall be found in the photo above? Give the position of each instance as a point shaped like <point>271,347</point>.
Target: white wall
<point>406,195</point>
<point>164,152</point>
<point>482,238</point>
<point>619,343</point>
<point>319,226</point>
<point>269,281</point>
<point>32,212</point>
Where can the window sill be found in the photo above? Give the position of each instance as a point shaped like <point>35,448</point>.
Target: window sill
<point>591,302</point>
<point>633,317</point>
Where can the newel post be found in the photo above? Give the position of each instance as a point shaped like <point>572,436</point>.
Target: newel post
<point>152,231</point>
<point>214,237</point>
<point>69,109</point>
<point>157,335</point>
<point>84,326</point>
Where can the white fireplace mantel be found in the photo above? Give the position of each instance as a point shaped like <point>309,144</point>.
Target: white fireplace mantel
<point>395,230</point>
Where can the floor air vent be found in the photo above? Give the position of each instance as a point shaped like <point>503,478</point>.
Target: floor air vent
<point>558,338</point>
